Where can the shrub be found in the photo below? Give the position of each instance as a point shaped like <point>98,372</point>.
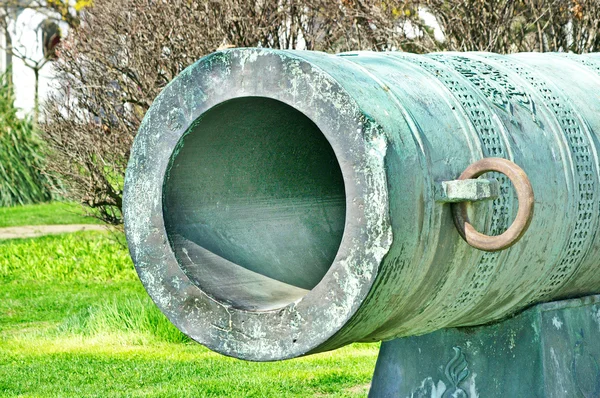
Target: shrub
<point>22,161</point>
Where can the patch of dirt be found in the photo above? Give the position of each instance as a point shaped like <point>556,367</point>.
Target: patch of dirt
<point>32,231</point>
<point>360,389</point>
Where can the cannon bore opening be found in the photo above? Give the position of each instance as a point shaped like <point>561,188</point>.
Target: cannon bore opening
<point>254,203</point>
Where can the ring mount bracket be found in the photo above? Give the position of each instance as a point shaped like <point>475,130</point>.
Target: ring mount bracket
<point>470,190</point>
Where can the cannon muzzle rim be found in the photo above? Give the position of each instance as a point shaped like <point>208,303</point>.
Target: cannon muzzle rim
<point>302,326</point>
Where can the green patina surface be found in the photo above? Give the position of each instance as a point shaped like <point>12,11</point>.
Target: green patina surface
<point>549,351</point>
<point>398,125</point>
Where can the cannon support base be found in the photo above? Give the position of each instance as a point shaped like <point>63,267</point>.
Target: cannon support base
<point>550,350</point>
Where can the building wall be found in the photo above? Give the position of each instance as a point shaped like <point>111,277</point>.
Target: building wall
<point>26,39</point>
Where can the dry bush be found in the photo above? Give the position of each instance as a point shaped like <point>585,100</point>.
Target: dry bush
<point>115,62</point>
<point>113,65</point>
<point>507,26</point>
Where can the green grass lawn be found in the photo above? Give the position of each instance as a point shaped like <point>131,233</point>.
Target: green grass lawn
<point>54,213</point>
<point>76,322</point>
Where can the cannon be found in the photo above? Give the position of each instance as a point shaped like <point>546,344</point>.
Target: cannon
<point>284,203</point>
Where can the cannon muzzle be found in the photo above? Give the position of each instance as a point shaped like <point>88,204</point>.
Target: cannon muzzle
<point>282,203</point>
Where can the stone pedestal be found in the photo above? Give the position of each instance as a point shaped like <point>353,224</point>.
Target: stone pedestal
<point>550,350</point>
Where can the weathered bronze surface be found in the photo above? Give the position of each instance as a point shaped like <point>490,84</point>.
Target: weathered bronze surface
<point>549,351</point>
<point>281,203</point>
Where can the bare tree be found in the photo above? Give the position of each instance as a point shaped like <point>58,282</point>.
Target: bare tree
<point>34,57</point>
<point>52,12</point>
<point>506,26</point>
<point>124,52</point>
<point>114,64</point>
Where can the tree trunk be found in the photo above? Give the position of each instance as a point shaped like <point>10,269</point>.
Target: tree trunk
<point>8,57</point>
<point>36,96</point>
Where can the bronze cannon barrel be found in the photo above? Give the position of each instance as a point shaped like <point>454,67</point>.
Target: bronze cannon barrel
<point>282,203</point>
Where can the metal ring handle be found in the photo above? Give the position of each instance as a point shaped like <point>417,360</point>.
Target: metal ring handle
<point>524,215</point>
